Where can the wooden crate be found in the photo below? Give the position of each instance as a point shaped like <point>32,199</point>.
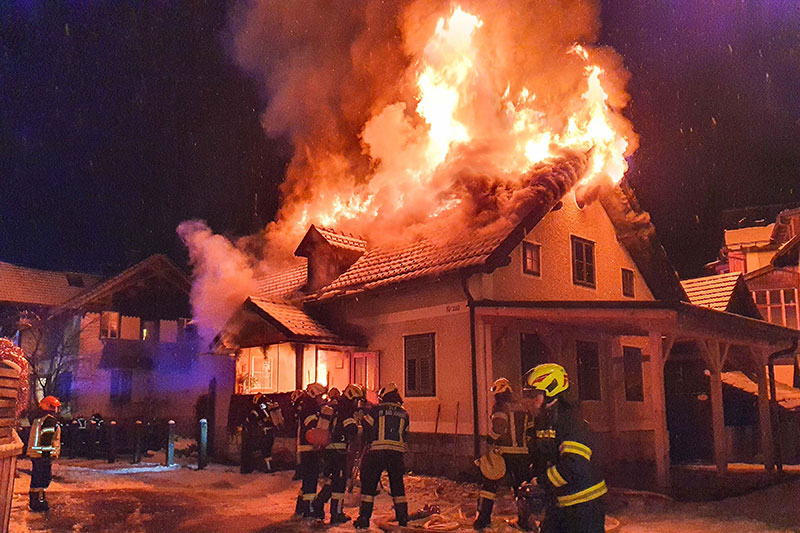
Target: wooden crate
<point>10,443</point>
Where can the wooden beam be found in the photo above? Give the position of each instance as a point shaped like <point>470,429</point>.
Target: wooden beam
<point>726,348</point>
<point>764,415</point>
<point>718,423</point>
<point>658,355</point>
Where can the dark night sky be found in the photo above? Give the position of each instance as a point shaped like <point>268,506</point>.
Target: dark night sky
<point>118,120</point>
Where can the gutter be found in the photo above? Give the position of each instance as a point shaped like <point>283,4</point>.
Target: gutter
<point>474,365</point>
<point>774,408</point>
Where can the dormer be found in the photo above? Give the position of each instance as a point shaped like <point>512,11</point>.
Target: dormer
<point>329,253</point>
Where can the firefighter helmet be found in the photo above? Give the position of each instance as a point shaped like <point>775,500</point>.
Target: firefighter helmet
<point>316,390</point>
<point>257,398</point>
<point>388,388</point>
<point>297,394</point>
<point>50,403</point>
<point>500,386</point>
<point>353,392</point>
<point>334,393</point>
<point>549,378</point>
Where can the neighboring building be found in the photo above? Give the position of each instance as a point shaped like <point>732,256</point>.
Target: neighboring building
<point>589,288</point>
<point>120,346</point>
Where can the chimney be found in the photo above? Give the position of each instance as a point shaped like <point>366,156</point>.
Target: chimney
<point>329,253</point>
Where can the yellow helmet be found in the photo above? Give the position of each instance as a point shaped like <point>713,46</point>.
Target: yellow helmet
<point>315,390</point>
<point>549,378</point>
<point>500,386</point>
<point>390,387</point>
<point>353,392</point>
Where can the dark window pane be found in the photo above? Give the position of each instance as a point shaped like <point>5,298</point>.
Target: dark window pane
<point>420,365</point>
<point>634,386</point>
<point>411,375</point>
<point>588,370</point>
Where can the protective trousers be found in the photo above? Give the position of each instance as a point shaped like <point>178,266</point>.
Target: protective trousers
<point>375,462</point>
<point>334,483</point>
<point>41,476</point>
<point>589,517</point>
<point>517,472</point>
<point>309,474</point>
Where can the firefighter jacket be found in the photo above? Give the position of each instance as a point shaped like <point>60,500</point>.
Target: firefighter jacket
<point>386,427</point>
<point>344,427</point>
<point>510,423</point>
<point>258,422</point>
<point>309,417</point>
<point>45,437</point>
<point>563,457</point>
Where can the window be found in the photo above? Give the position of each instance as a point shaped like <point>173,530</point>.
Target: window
<point>261,374</point>
<point>420,364</point>
<point>75,280</point>
<point>583,262</point>
<point>627,283</point>
<point>531,258</point>
<point>532,351</point>
<point>149,331</point>
<point>634,384</point>
<point>588,370</point>
<point>778,306</point>
<point>121,385</point>
<point>109,325</point>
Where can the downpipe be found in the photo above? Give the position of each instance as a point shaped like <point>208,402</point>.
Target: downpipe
<point>775,413</point>
<point>474,365</point>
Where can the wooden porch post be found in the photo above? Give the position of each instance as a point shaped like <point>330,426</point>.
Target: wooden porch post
<point>659,351</point>
<point>615,389</point>
<point>713,355</point>
<point>764,416</point>
<point>483,334</point>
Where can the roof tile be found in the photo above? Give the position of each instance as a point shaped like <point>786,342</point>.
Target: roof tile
<point>714,292</point>
<point>42,287</point>
<point>295,320</point>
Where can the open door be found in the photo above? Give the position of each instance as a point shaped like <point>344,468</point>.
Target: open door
<point>688,412</point>
<point>365,370</point>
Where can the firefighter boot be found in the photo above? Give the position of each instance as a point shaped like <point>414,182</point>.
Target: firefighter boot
<point>298,505</point>
<point>337,510</point>
<point>364,515</point>
<point>43,500</point>
<point>525,521</point>
<point>401,511</point>
<point>484,518</point>
<point>318,506</point>
<point>34,501</point>
<point>305,507</point>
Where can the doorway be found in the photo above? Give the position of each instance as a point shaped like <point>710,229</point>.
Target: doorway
<point>688,402</point>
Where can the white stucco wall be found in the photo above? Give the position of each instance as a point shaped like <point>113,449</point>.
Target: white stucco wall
<point>553,233</point>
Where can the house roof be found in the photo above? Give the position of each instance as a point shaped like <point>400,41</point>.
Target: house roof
<point>282,283</point>
<point>788,397</point>
<point>42,287</point>
<point>714,292</point>
<point>292,321</point>
<point>158,262</point>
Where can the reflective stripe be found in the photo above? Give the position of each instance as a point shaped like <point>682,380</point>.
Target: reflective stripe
<point>555,477</point>
<point>369,420</point>
<point>309,419</point>
<point>512,420</point>
<point>512,449</point>
<point>488,495</point>
<point>546,434</point>
<point>400,429</point>
<point>494,435</point>
<point>367,498</point>
<point>399,499</point>
<point>336,446</point>
<point>348,422</point>
<point>500,414</point>
<point>571,446</point>
<point>388,445</point>
<point>309,497</point>
<point>305,448</point>
<point>586,495</point>
<point>382,428</point>
<point>337,496</point>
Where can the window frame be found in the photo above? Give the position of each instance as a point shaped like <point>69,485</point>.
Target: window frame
<point>628,354</point>
<point>417,391</point>
<point>583,389</point>
<point>767,307</point>
<point>632,281</point>
<point>585,244</point>
<point>537,249</point>
<point>118,322</point>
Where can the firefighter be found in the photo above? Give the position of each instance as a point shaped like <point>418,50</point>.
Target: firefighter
<point>44,445</point>
<point>385,429</point>
<point>309,410</point>
<point>258,434</point>
<point>565,464</point>
<point>344,430</point>
<point>509,423</point>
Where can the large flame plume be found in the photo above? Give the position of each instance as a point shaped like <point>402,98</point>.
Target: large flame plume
<point>400,112</point>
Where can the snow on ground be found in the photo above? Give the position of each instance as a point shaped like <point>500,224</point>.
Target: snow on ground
<point>89,496</point>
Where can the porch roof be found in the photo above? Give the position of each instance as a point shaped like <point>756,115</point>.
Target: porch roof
<point>788,397</point>
<point>292,321</point>
<point>685,321</point>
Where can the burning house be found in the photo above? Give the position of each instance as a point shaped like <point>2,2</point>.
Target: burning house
<point>463,221</point>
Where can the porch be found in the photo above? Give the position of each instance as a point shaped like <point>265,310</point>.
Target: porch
<point>618,353</point>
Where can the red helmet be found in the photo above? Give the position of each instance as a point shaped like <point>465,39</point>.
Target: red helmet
<point>50,403</point>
